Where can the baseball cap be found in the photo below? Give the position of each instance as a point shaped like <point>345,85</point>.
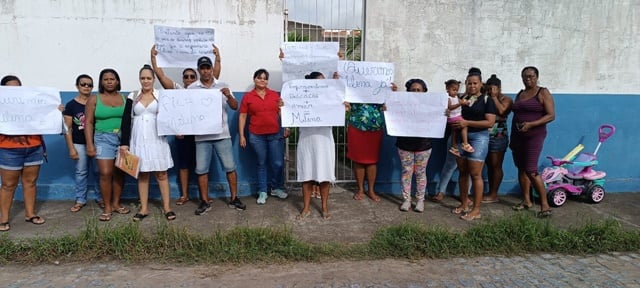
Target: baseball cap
<point>204,60</point>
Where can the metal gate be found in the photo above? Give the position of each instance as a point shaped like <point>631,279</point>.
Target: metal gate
<point>332,21</point>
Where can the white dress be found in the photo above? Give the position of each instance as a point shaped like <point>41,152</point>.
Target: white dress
<point>153,150</point>
<point>316,155</point>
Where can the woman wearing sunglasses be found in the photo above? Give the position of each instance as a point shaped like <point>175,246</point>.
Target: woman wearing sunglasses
<point>76,142</point>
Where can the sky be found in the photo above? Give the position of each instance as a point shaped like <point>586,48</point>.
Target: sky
<point>330,14</point>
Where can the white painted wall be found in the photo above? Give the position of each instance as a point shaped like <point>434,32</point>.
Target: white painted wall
<point>579,46</point>
<point>50,42</point>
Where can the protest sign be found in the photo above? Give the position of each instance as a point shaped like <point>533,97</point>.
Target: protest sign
<point>312,103</point>
<point>366,82</point>
<point>190,112</point>
<point>302,58</point>
<point>413,114</point>
<point>29,110</point>
<point>181,47</point>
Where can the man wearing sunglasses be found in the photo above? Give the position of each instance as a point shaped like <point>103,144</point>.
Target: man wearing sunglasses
<point>185,144</point>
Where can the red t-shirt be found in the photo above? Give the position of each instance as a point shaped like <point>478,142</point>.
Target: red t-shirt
<point>20,141</point>
<point>263,113</point>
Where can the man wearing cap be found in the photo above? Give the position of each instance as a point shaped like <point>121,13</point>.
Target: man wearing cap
<point>221,142</point>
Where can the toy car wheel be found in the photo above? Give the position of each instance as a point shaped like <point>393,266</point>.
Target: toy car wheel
<point>557,197</point>
<point>596,193</point>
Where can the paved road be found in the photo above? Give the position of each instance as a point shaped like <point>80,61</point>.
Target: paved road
<point>546,270</point>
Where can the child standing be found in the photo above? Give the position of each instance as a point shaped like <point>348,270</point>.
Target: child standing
<point>455,115</point>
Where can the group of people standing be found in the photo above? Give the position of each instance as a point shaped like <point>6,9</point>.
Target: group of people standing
<point>108,123</point>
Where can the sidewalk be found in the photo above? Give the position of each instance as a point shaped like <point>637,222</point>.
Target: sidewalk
<point>351,222</point>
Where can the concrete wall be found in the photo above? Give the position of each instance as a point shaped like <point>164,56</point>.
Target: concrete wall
<point>578,46</point>
<point>585,50</point>
<point>50,42</point>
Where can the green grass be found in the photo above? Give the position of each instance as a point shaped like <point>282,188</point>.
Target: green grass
<point>516,235</point>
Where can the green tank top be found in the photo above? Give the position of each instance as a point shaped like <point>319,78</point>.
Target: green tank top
<point>108,119</point>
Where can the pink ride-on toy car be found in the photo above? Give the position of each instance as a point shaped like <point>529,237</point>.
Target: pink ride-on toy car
<point>576,175</point>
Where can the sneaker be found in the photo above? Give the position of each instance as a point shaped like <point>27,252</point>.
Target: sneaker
<point>419,206</point>
<point>279,193</point>
<point>262,198</point>
<point>405,205</point>
<point>236,203</point>
<point>203,208</point>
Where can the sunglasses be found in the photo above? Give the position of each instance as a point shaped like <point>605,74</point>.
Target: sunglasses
<point>188,76</point>
<point>90,85</point>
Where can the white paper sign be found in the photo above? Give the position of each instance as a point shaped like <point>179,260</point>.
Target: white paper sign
<point>415,114</point>
<point>312,103</point>
<point>29,110</point>
<point>190,112</point>
<point>302,58</point>
<point>181,47</point>
<point>366,82</point>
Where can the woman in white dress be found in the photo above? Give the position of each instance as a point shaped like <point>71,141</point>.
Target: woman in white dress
<point>315,162</point>
<point>142,140</point>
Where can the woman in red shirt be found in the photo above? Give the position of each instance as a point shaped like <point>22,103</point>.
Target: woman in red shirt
<point>262,105</point>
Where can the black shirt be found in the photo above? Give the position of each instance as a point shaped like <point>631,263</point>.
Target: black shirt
<point>481,105</point>
<point>413,144</point>
<point>76,111</point>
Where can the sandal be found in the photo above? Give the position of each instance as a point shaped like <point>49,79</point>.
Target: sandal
<point>5,226</point>
<point>170,215</point>
<point>544,214</point>
<point>454,151</point>
<point>373,197</point>
<point>460,210</point>
<point>303,215</point>
<point>182,200</point>
<point>358,196</point>
<point>35,220</point>
<point>468,148</point>
<point>326,215</point>
<point>122,210</point>
<point>105,217</point>
<point>139,216</point>
<point>100,203</point>
<point>437,198</point>
<point>77,207</point>
<point>521,206</point>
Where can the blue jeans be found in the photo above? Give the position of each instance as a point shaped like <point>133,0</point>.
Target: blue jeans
<point>83,164</point>
<point>449,167</point>
<point>224,150</point>
<point>269,147</point>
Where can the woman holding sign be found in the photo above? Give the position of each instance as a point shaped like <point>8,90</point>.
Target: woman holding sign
<point>316,162</point>
<point>265,134</point>
<point>20,160</point>
<point>153,150</point>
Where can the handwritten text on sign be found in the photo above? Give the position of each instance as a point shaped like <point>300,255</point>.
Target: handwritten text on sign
<point>190,112</point>
<point>302,58</point>
<point>312,103</point>
<point>29,111</point>
<point>366,82</point>
<point>414,114</point>
<point>181,47</point>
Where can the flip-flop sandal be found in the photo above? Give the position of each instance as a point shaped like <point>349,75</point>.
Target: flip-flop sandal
<point>303,215</point>
<point>122,210</point>
<point>358,197</point>
<point>454,151</point>
<point>460,210</point>
<point>438,197</point>
<point>326,215</point>
<point>468,148</point>
<point>139,216</point>
<point>100,204</point>
<point>170,215</point>
<point>373,197</point>
<point>545,214</point>
<point>104,217</point>
<point>182,200</point>
<point>5,226</point>
<point>521,206</point>
<point>35,220</point>
<point>77,207</point>
<point>486,201</point>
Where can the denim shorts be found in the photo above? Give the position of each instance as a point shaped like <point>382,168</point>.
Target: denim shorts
<point>17,158</point>
<point>498,144</point>
<point>480,142</point>
<point>204,151</point>
<point>106,144</point>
